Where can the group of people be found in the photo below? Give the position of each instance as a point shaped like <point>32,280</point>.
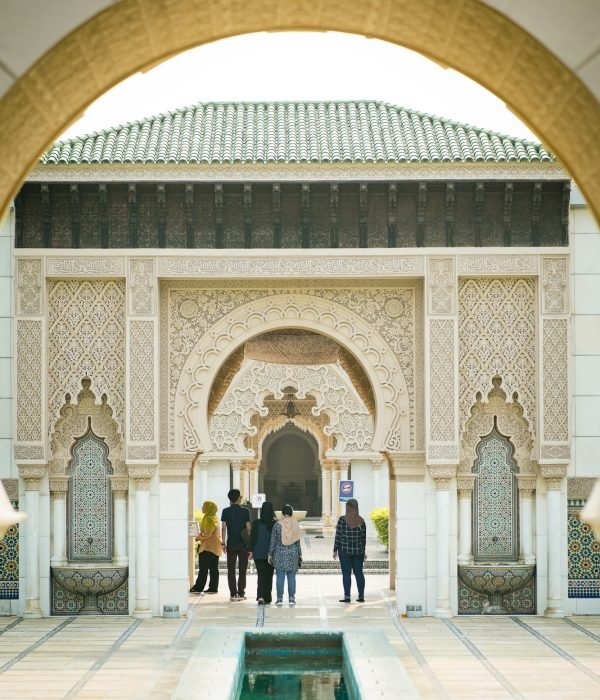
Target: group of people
<point>275,547</point>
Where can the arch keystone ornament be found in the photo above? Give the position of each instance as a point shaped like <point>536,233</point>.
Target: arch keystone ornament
<point>298,311</point>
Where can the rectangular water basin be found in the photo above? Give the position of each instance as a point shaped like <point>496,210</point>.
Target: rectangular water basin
<point>235,664</point>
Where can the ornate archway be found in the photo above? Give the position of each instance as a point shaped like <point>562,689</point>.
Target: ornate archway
<point>392,409</point>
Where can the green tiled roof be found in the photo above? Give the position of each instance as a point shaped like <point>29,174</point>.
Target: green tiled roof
<point>294,132</point>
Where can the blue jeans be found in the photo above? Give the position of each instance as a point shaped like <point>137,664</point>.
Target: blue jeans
<point>291,584</point>
<point>352,563</point>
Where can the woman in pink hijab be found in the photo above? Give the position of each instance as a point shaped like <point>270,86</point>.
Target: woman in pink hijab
<point>285,554</point>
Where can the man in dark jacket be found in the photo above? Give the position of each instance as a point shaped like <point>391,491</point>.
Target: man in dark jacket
<point>235,521</point>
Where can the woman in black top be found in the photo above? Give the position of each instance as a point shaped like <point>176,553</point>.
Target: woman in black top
<point>260,540</point>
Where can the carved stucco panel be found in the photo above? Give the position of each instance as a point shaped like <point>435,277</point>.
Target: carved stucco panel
<point>497,336</point>
<point>141,381</point>
<point>29,287</point>
<point>141,285</point>
<point>442,286</point>
<point>327,312</point>
<point>86,337</point>
<point>555,384</point>
<point>29,380</point>
<point>554,285</point>
<point>385,313</point>
<point>442,399</point>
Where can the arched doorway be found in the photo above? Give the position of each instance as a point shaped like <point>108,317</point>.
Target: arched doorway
<point>290,470</point>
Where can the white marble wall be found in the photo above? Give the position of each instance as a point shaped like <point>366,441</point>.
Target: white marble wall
<point>585,343</point>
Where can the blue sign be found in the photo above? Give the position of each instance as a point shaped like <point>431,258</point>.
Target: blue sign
<point>346,491</point>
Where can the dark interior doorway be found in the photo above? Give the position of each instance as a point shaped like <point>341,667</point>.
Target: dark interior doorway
<point>290,471</point>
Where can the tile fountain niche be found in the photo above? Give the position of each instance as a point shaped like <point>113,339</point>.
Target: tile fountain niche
<point>497,577</point>
<point>89,572</point>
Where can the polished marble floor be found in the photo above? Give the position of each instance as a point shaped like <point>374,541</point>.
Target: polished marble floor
<point>466,657</point>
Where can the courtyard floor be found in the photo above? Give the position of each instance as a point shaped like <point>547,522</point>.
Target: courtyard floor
<point>465,657</point>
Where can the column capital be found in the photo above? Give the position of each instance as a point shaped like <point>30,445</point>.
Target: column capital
<point>465,484</point>
<point>527,484</point>
<point>32,474</point>
<point>554,475</point>
<point>59,485</point>
<point>442,474</point>
<point>142,474</point>
<point>175,467</point>
<point>250,464</point>
<point>407,466</point>
<point>119,485</point>
<point>236,463</point>
<point>342,463</point>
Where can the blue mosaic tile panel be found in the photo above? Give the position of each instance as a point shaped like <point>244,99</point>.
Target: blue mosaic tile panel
<point>9,562</point>
<point>584,555</point>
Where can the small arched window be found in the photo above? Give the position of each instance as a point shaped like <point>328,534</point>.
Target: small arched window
<point>495,500</point>
<point>90,502</point>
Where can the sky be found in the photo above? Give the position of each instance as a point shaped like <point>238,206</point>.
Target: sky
<point>299,66</point>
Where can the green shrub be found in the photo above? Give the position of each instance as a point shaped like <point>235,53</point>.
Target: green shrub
<point>381,519</point>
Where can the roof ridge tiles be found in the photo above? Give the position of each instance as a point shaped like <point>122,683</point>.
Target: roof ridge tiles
<point>294,131</point>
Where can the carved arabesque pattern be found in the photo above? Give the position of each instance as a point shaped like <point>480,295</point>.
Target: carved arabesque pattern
<point>276,423</point>
<point>509,420</point>
<point>442,281</point>
<point>356,313</point>
<point>441,386</point>
<point>74,421</point>
<point>350,421</point>
<point>497,336</point>
<point>86,337</point>
<point>556,380</point>
<point>29,287</point>
<point>141,281</point>
<point>141,381</point>
<point>554,284</point>
<point>29,380</point>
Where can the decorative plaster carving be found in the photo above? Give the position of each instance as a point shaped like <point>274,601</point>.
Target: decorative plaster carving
<point>31,475</point>
<point>141,381</point>
<point>29,380</point>
<point>465,484</point>
<point>442,392</point>
<point>86,337</point>
<point>442,474</point>
<point>554,284</point>
<point>554,475</point>
<point>119,486</point>
<point>555,451</point>
<point>497,336</point>
<point>59,485</point>
<point>11,486</point>
<point>442,285</point>
<point>555,384</point>
<point>407,466</point>
<point>88,266</point>
<point>349,420</point>
<point>498,265</point>
<point>74,421</point>
<point>145,452</point>
<point>29,287</point>
<point>510,421</point>
<point>141,285</point>
<point>177,468</point>
<point>580,488</point>
<point>353,317</point>
<point>297,266</point>
<point>278,422</point>
<point>27,452</point>
<point>142,473</point>
<point>442,452</point>
<point>527,485</point>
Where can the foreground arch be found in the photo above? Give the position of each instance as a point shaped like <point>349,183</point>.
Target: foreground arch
<point>134,34</point>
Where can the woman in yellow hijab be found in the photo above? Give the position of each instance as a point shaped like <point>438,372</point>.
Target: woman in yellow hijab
<point>209,550</point>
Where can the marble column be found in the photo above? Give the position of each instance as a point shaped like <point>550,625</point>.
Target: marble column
<point>442,476</point>
<point>554,475</point>
<point>119,486</point>
<point>142,474</point>
<point>527,484</point>
<point>202,490</point>
<point>58,508</point>
<point>254,482</point>
<point>465,518</point>
<point>32,474</point>
<point>376,471</point>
